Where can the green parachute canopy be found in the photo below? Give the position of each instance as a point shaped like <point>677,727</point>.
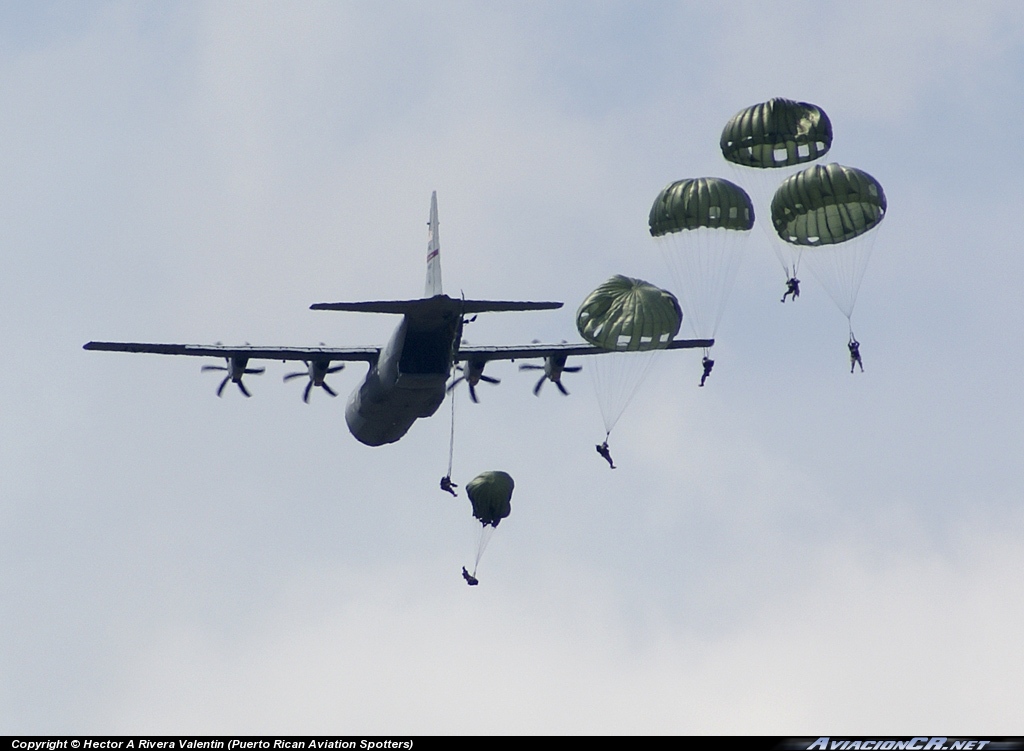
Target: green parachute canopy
<point>826,205</point>
<point>777,133</point>
<point>491,496</point>
<point>717,216</point>
<point>701,202</point>
<point>629,315</point>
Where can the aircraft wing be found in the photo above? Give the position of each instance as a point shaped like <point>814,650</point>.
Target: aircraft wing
<point>365,354</point>
<point>526,351</point>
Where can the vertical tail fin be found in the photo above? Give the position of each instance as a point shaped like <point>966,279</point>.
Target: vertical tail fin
<point>433,286</point>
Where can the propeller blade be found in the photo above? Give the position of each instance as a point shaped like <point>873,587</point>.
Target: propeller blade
<point>328,389</point>
<point>335,369</point>
<point>455,383</point>
<point>561,388</point>
<point>488,379</point>
<point>220,389</point>
<point>294,375</point>
<point>472,394</point>
<point>242,388</point>
<point>212,367</point>
<point>254,371</point>
<point>573,369</point>
<point>536,389</point>
<point>531,367</point>
<point>305,393</point>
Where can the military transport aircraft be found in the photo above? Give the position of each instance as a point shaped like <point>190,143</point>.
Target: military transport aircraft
<point>407,377</point>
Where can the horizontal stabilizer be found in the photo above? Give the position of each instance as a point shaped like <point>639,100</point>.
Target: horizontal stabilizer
<point>502,306</point>
<point>438,303</point>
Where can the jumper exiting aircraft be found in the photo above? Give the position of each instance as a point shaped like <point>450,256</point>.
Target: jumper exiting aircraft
<point>407,377</point>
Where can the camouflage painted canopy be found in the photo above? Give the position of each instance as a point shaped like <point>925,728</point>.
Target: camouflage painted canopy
<point>701,202</point>
<point>777,133</point>
<point>629,315</point>
<point>825,205</point>
<point>491,496</point>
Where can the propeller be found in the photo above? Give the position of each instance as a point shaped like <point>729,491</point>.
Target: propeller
<point>553,367</point>
<point>236,368</point>
<point>472,374</point>
<point>316,371</point>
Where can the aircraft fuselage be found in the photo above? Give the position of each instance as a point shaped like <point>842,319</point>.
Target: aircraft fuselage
<point>408,380</point>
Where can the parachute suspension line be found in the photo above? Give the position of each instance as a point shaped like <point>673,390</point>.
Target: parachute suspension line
<point>761,184</point>
<point>617,379</point>
<point>451,436</point>
<point>703,263</point>
<point>486,533</point>
<point>446,482</point>
<point>792,269</point>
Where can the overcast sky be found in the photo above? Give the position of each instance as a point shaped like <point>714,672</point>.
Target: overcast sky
<point>790,550</point>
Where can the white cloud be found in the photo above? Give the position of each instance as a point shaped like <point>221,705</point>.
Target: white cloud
<point>206,172</point>
<point>909,642</point>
